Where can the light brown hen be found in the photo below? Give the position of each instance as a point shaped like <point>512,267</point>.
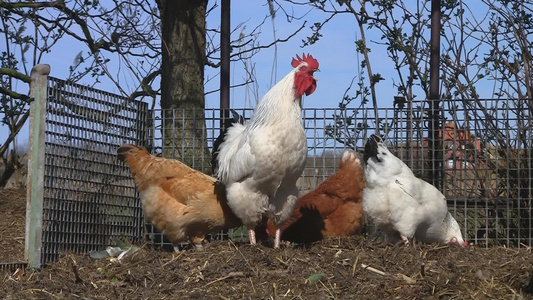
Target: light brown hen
<point>183,203</point>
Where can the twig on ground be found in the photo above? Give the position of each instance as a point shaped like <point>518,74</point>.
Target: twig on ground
<point>243,257</point>
<point>369,268</point>
<point>74,266</point>
<point>174,258</point>
<point>399,275</point>
<point>230,275</point>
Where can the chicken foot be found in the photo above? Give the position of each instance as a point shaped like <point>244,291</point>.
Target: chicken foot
<point>277,238</point>
<point>177,247</point>
<point>251,236</point>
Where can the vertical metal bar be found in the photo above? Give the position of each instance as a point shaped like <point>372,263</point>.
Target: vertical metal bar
<point>34,205</point>
<point>434,97</point>
<point>518,199</point>
<point>510,195</point>
<point>225,32</point>
<point>182,129</point>
<point>530,179</point>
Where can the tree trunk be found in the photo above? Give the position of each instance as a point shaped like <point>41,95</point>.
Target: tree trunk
<point>11,164</point>
<point>182,81</point>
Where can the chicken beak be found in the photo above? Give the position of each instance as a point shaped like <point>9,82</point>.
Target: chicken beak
<point>312,75</point>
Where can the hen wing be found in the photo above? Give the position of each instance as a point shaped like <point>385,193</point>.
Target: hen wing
<point>422,192</point>
<point>421,206</point>
<point>409,188</point>
<point>192,185</point>
<point>325,204</point>
<point>258,161</point>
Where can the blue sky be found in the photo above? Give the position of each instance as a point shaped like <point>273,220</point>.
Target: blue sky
<point>335,52</point>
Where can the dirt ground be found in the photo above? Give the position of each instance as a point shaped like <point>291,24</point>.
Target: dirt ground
<point>12,224</point>
<point>335,268</point>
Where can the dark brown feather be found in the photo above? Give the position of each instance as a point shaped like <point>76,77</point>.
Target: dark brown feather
<point>334,208</point>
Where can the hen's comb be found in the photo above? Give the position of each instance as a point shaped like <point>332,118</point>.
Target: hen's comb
<point>309,59</point>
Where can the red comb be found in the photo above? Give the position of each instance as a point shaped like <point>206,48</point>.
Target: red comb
<point>309,59</point>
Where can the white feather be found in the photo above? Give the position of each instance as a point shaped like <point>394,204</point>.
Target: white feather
<point>403,205</point>
<point>260,162</point>
<point>227,151</point>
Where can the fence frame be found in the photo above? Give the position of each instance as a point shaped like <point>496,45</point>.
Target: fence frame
<point>34,207</point>
<point>60,213</point>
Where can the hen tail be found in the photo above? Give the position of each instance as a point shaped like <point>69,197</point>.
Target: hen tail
<point>148,169</point>
<point>228,149</point>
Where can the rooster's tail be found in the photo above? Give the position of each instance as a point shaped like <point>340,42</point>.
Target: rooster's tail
<point>228,149</point>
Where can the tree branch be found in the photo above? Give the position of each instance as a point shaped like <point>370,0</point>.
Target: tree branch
<point>14,74</point>
<point>14,133</point>
<point>252,49</point>
<point>14,94</point>
<point>8,5</point>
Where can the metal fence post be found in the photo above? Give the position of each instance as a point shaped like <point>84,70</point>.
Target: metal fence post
<point>35,193</point>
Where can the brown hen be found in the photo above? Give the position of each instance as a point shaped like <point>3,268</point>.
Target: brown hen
<point>334,208</point>
<point>184,204</point>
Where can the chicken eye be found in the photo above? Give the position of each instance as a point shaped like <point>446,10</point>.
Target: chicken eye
<point>383,153</point>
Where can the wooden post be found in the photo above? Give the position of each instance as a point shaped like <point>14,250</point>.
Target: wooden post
<point>34,204</point>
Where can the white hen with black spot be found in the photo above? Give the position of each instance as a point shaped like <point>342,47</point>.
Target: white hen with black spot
<point>402,205</point>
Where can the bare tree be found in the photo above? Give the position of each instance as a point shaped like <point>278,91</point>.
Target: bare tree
<point>161,49</point>
<point>480,43</point>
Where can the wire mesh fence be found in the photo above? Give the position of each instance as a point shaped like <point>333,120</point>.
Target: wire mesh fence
<point>480,159</point>
<point>89,197</point>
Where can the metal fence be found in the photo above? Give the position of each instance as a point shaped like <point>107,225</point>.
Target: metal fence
<point>482,159</point>
<point>483,162</point>
<point>88,198</point>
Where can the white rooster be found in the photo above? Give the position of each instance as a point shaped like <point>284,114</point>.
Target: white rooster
<point>259,162</point>
<point>402,205</point>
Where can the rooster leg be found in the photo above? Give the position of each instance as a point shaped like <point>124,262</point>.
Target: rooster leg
<point>405,240</point>
<point>251,235</point>
<point>277,238</point>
